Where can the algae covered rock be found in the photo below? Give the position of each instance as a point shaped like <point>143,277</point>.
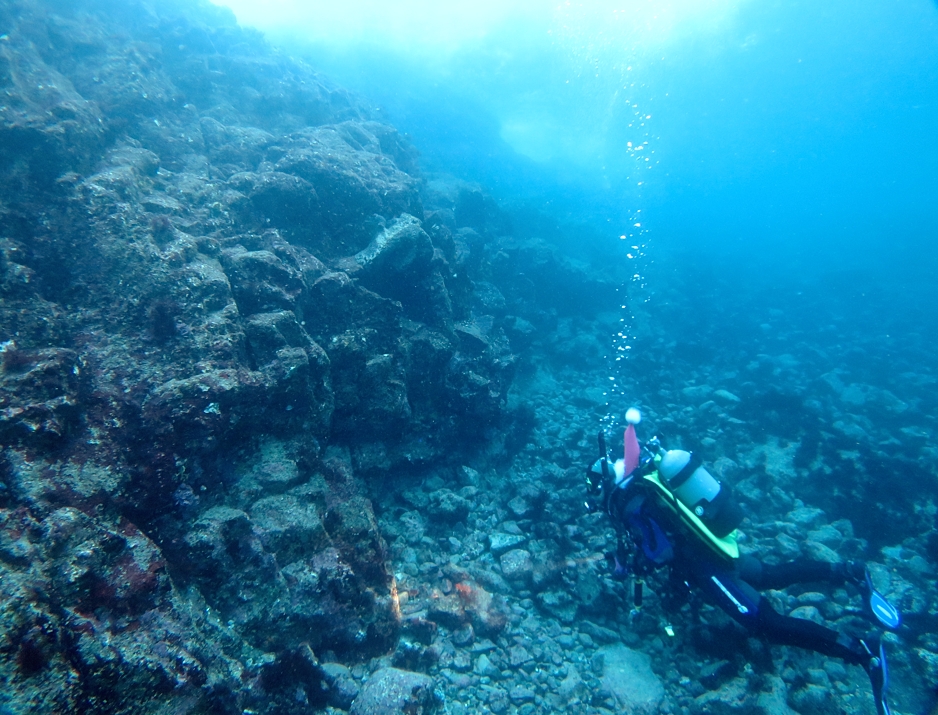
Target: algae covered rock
<point>628,676</point>
<point>391,691</point>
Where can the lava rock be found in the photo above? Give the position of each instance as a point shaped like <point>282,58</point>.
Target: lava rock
<point>487,613</point>
<point>391,691</point>
<point>731,697</point>
<point>283,201</point>
<point>447,506</point>
<point>813,700</point>
<point>628,676</point>
<point>521,694</point>
<point>343,688</point>
<point>260,280</point>
<point>518,656</point>
<point>808,613</point>
<point>558,603</point>
<point>500,543</point>
<point>484,667</point>
<point>517,565</point>
<point>401,251</point>
<point>353,179</point>
<point>39,394</point>
<point>447,611</point>
<point>288,527</point>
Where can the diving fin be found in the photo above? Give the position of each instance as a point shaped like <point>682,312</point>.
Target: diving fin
<point>883,611</point>
<point>879,673</point>
<point>877,607</point>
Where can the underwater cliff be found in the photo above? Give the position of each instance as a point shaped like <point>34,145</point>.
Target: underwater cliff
<point>231,306</point>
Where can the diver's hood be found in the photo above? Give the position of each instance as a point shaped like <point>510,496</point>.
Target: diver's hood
<point>621,479</point>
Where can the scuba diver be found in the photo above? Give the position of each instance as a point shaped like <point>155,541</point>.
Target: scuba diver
<point>676,514</point>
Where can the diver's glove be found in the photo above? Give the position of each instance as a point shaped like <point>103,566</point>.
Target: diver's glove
<point>618,562</point>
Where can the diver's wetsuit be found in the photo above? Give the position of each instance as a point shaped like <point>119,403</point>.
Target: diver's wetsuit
<point>733,588</point>
<point>730,584</point>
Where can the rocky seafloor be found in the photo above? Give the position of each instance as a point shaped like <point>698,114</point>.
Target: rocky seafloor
<point>289,427</point>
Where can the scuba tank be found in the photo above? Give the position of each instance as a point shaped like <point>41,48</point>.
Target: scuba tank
<point>711,501</point>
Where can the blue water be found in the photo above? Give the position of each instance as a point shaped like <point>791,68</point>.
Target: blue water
<point>788,160</point>
<point>794,134</point>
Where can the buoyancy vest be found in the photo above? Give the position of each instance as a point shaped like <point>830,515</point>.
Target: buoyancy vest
<point>726,546</point>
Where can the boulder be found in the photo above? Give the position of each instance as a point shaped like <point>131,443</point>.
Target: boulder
<point>48,128</point>
<point>353,179</point>
<point>400,263</point>
<point>39,394</point>
<point>391,691</point>
<point>627,674</point>
<point>238,577</point>
<point>814,700</point>
<point>500,543</point>
<point>559,604</point>
<point>517,565</point>
<point>402,249</point>
<point>260,280</point>
<point>447,506</point>
<point>97,577</point>
<point>487,613</point>
<point>288,527</point>
<point>731,698</point>
<point>343,688</point>
<point>282,201</point>
<point>447,610</point>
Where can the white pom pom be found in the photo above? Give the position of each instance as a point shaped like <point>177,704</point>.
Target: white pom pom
<point>633,416</point>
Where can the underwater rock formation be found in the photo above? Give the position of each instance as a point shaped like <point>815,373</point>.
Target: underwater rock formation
<point>225,312</point>
<point>247,351</point>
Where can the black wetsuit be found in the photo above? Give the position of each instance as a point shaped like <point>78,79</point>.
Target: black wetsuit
<point>731,584</point>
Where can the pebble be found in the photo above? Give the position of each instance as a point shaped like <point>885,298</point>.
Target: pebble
<point>463,637</point>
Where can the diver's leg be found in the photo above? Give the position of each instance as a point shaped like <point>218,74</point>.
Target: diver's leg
<point>800,632</point>
<point>867,653</point>
<point>753,611</point>
<point>726,590</point>
<point>875,605</point>
<point>778,576</point>
<point>878,671</point>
